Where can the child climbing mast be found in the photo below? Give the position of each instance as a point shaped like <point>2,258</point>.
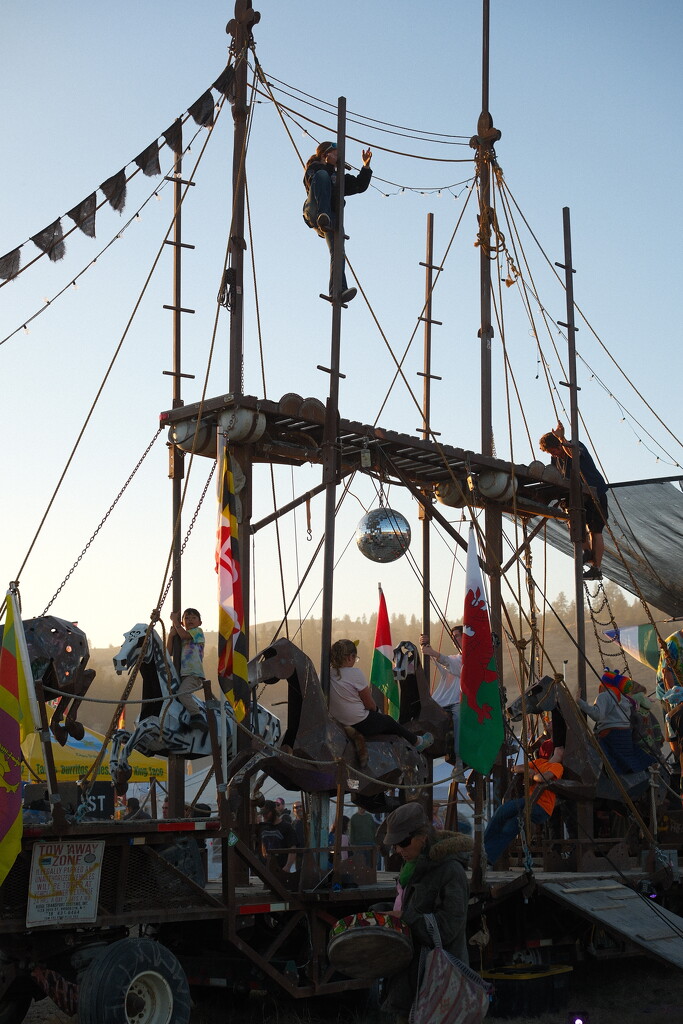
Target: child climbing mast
<point>319,211</point>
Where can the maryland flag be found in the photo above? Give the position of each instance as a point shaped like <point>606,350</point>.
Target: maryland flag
<point>481,716</point>
<point>232,643</point>
<point>17,702</point>
<point>382,671</point>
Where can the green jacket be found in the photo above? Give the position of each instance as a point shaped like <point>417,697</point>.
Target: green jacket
<point>439,886</point>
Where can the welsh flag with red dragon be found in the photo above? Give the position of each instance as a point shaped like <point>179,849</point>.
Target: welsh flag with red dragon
<point>481,715</point>
<point>232,643</point>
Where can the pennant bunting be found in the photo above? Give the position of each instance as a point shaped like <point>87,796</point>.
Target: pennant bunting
<point>481,716</point>
<point>232,643</point>
<point>225,83</point>
<point>49,241</point>
<point>382,670</point>
<point>83,215</point>
<point>114,189</point>
<point>10,264</point>
<point>202,109</point>
<point>148,160</point>
<point>173,137</point>
<point>16,723</point>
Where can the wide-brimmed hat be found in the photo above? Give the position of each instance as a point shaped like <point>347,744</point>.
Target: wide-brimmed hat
<point>402,822</point>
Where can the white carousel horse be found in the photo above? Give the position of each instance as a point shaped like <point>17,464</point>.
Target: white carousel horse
<point>165,726</point>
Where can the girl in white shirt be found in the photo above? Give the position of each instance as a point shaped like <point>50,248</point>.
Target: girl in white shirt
<point>351,702</point>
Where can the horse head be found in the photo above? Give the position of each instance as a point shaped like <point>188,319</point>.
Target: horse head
<point>59,644</point>
<point>58,651</point>
<point>540,697</point>
<point>273,663</point>
<point>418,710</point>
<point>128,655</point>
<point>404,660</point>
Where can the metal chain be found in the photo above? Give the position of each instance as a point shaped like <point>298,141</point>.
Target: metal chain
<point>187,535</point>
<point>595,611</point>
<point>101,523</point>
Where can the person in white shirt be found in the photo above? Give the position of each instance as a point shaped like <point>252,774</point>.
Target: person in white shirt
<point>352,703</point>
<point>447,691</point>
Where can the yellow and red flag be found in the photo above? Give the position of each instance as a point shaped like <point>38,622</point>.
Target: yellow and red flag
<point>232,642</point>
<point>17,705</point>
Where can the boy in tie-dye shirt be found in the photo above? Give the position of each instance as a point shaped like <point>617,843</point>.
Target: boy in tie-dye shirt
<point>189,630</point>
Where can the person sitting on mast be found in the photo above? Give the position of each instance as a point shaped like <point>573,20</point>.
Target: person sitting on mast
<point>352,703</point>
<point>319,212</point>
<point>595,509</point>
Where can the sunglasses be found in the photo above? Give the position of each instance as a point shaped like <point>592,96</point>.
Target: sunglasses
<point>405,842</point>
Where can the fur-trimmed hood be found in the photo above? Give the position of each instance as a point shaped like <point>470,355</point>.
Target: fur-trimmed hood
<point>448,844</point>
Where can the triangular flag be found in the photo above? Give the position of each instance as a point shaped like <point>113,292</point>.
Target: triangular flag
<point>382,671</point>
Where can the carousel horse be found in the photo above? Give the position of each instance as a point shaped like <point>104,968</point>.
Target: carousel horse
<point>58,652</point>
<point>584,776</point>
<point>164,725</point>
<point>418,711</point>
<point>315,745</point>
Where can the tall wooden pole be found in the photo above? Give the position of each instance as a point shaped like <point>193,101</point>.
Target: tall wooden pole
<point>176,469</point>
<point>241,29</point>
<point>425,430</point>
<point>330,456</point>
<point>320,802</point>
<point>575,488</point>
<point>484,142</point>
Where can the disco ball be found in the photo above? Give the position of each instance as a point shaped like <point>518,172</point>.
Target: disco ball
<point>383,535</point>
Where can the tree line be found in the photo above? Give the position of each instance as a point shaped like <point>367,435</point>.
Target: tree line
<point>555,646</point>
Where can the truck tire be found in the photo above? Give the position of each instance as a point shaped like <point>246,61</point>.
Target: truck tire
<point>14,1005</point>
<point>134,981</point>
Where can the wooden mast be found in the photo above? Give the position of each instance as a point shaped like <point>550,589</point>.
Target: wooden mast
<point>484,142</point>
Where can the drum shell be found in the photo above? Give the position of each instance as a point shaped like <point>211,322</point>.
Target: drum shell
<point>371,945</point>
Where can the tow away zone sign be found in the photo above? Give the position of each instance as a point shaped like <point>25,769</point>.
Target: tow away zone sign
<point>65,883</point>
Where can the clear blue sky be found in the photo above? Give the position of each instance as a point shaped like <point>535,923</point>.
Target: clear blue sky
<point>588,98</point>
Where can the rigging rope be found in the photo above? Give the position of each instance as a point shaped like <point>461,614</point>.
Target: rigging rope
<point>112,362</point>
<point>101,523</point>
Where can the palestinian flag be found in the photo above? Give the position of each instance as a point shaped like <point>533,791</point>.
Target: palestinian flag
<point>232,643</point>
<point>639,642</point>
<point>382,671</point>
<point>481,716</point>
<point>16,723</point>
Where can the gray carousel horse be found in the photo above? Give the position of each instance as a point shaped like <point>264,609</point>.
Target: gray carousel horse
<point>164,726</point>
<point>58,652</point>
<point>315,745</point>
